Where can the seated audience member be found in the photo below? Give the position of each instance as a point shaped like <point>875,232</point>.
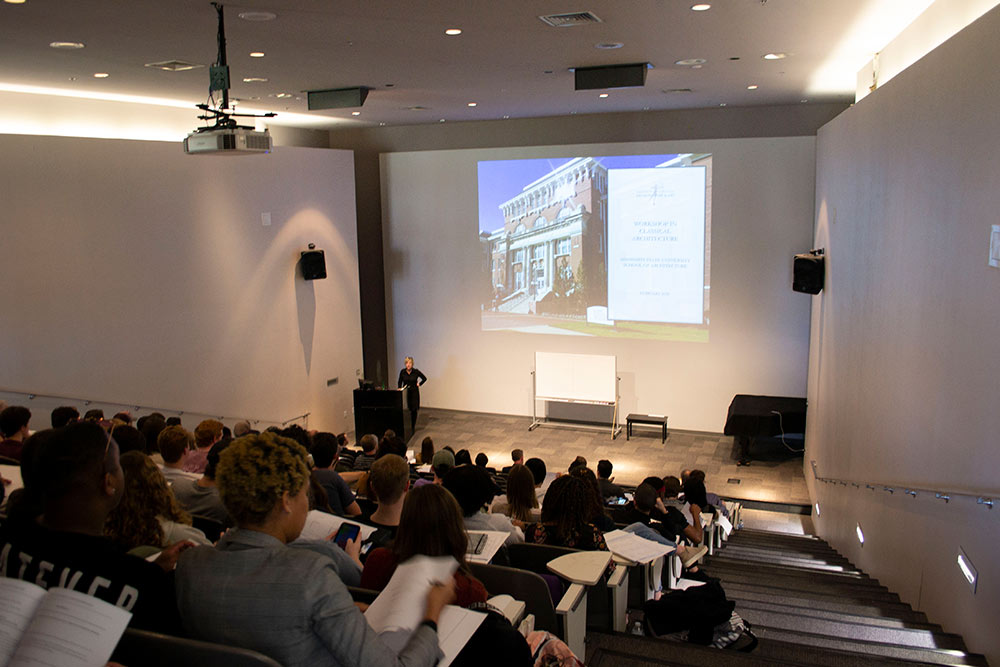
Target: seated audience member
<point>426,452</point>
<point>95,415</point>
<point>241,428</point>
<point>124,417</point>
<point>482,460</point>
<point>542,480</point>
<point>442,463</point>
<point>64,415</point>
<point>606,482</point>
<point>519,503</point>
<point>151,426</point>
<point>148,514</point>
<point>76,476</point>
<point>364,460</point>
<point>174,421</point>
<point>206,434</point>
<point>129,438</point>
<point>14,429</point>
<point>174,444</point>
<point>668,511</point>
<point>388,481</point>
<point>474,490</point>
<point>201,496</point>
<point>713,500</point>
<point>565,521</point>
<point>517,458</point>
<point>639,513</point>
<point>254,591</point>
<point>325,453</point>
<point>299,435</point>
<point>578,462</point>
<point>463,458</point>
<point>598,515</point>
<point>430,525</point>
<point>391,445</point>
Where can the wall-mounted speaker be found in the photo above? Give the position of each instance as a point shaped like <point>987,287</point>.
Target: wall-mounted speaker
<point>313,264</point>
<point>807,272</point>
<point>338,98</point>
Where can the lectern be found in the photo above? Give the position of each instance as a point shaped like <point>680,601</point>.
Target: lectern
<point>376,410</point>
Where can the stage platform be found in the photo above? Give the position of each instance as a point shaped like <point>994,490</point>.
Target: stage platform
<point>774,476</point>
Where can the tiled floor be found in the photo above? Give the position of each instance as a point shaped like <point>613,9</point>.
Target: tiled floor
<point>775,474</point>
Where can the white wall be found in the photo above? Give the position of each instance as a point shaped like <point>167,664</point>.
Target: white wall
<point>762,213</point>
<point>134,273</point>
<point>904,367</point>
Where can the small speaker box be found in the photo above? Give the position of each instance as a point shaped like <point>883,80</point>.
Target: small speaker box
<point>807,273</point>
<point>313,263</point>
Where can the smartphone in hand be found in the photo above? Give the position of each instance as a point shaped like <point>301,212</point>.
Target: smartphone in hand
<point>347,532</point>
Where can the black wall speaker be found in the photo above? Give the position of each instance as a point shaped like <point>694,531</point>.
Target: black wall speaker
<point>339,98</point>
<point>611,76</point>
<point>313,263</point>
<point>807,272</point>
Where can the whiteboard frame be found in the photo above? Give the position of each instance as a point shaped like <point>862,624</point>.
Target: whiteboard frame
<point>536,422</point>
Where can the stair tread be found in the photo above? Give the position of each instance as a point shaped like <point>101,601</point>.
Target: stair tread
<point>751,593</point>
<point>827,614</point>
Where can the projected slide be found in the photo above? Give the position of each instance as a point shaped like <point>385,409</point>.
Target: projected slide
<point>597,246</point>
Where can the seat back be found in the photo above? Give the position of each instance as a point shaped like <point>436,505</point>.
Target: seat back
<point>151,649</point>
<point>528,587</point>
<point>535,557</point>
<point>212,528</point>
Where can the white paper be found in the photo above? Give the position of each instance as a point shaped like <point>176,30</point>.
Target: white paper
<point>20,600</point>
<point>13,475</point>
<point>455,626</point>
<point>494,540</point>
<point>635,548</point>
<point>684,584</point>
<point>727,525</point>
<point>71,629</point>
<point>319,526</point>
<point>401,605</point>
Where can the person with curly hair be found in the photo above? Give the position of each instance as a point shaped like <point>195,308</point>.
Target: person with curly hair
<point>598,515</point>
<point>566,520</point>
<point>289,601</point>
<point>148,514</point>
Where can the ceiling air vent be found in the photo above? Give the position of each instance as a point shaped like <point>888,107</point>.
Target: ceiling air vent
<point>174,65</point>
<point>570,19</point>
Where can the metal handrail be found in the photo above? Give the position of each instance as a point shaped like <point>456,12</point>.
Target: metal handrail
<point>986,499</point>
<point>31,395</point>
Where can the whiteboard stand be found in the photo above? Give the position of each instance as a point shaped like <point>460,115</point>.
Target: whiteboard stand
<point>616,428</point>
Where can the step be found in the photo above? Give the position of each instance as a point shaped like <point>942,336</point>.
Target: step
<point>932,656</point>
<point>803,654</point>
<point>728,565</point>
<point>624,650</point>
<point>788,585</point>
<point>753,593</point>
<point>776,559</point>
<point>831,615</point>
<point>755,551</point>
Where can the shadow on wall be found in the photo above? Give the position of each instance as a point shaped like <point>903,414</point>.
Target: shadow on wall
<point>305,302</point>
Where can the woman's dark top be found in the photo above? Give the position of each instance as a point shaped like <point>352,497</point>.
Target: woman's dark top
<point>410,381</point>
<point>587,537</point>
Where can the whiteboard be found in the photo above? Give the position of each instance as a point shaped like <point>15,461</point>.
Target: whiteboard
<point>576,377</point>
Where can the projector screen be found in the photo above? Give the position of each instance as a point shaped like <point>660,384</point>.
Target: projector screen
<point>597,246</point>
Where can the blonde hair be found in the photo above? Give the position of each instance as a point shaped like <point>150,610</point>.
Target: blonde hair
<point>410,359</point>
<point>255,471</point>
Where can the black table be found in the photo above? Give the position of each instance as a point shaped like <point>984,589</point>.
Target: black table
<point>751,417</point>
<point>654,420</point>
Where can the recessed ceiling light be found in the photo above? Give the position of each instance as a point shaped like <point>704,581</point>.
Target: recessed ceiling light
<point>101,75</point>
<point>701,7</point>
<point>471,104</point>
<point>257,16</point>
<point>696,66</point>
<point>734,57</point>
<point>676,90</point>
<point>255,79</point>
<point>453,31</point>
<point>416,108</point>
<point>173,65</point>
<point>256,54</point>
<point>774,56</point>
<point>382,124</point>
<point>752,86</point>
<point>66,45</point>
<point>14,2</point>
<point>603,95</point>
<point>440,120</point>
<point>355,113</point>
<point>608,46</point>
<point>722,104</point>
<point>803,100</point>
<point>687,62</point>
<point>506,116</point>
<point>283,95</point>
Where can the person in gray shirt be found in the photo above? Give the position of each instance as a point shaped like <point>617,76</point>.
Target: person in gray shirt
<point>254,590</point>
<point>200,496</point>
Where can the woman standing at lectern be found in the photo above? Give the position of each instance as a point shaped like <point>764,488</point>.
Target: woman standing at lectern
<point>409,380</point>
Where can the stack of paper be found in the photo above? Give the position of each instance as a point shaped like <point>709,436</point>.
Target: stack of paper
<point>634,548</point>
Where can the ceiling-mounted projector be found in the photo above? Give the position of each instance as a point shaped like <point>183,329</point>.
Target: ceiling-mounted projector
<point>228,141</point>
